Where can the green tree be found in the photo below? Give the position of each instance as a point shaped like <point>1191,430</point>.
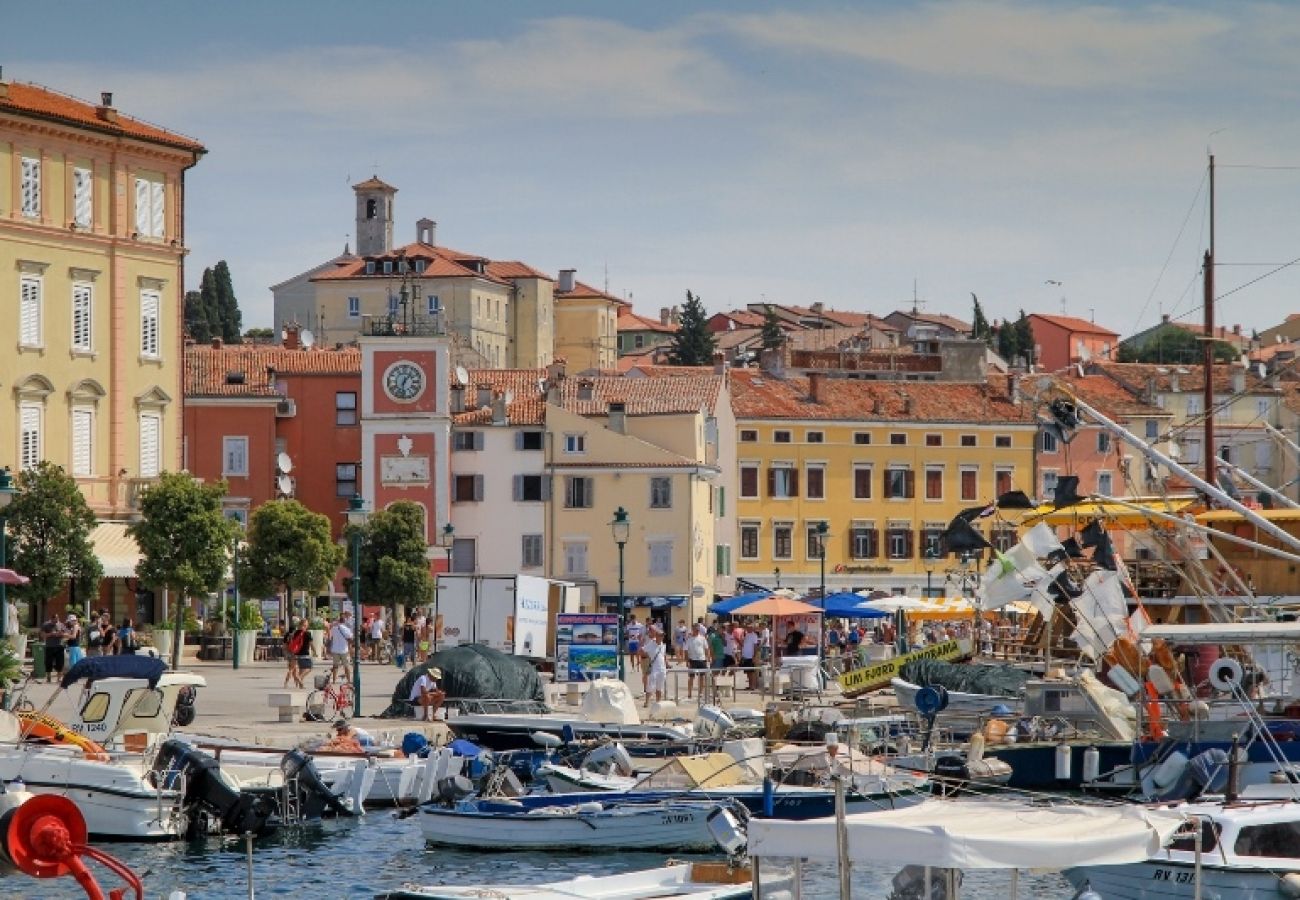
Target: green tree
<point>693,344</point>
<point>1172,344</point>
<point>185,539</point>
<point>49,534</point>
<point>772,336</point>
<point>289,549</point>
<point>196,317</point>
<point>980,329</point>
<point>259,335</point>
<point>1008,341</point>
<point>1025,337</point>
<point>394,568</point>
<point>232,321</point>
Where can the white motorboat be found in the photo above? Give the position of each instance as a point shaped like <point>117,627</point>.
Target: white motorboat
<point>1249,851</point>
<point>697,881</point>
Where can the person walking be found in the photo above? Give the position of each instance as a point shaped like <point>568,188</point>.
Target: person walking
<point>73,643</point>
<point>377,630</point>
<point>408,642</point>
<point>635,631</point>
<point>697,659</point>
<point>54,634</point>
<point>748,654</point>
<point>292,651</point>
<point>655,653</point>
<point>679,640</point>
<point>126,640</point>
<point>340,640</point>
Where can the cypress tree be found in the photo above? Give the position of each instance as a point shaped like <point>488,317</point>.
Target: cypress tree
<point>227,305</point>
<point>211,304</point>
<point>772,336</point>
<point>196,319</point>
<point>694,343</point>
<point>1025,337</point>
<point>980,329</point>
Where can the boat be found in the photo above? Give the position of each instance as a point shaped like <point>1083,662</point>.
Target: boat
<point>594,824</point>
<point>695,880</point>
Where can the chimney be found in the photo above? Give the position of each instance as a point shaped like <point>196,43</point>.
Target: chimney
<point>719,362</point>
<point>270,377</point>
<point>618,417</point>
<point>876,406</point>
<point>1175,383</point>
<point>499,416</point>
<point>1236,329</point>
<point>1151,389</point>
<point>426,232</point>
<point>1013,388</point>
<point>484,394</point>
<point>1238,380</point>
<point>292,331</point>
<point>676,315</point>
<point>816,386</point>
<point>907,405</point>
<point>567,279</point>
<point>586,389</point>
<point>1164,317</point>
<point>555,373</point>
<point>772,361</point>
<point>217,343</point>
<point>105,109</point>
<point>665,315</point>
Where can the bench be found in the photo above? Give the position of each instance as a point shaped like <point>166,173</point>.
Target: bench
<point>287,702</point>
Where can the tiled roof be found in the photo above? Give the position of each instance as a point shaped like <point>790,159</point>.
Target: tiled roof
<point>1221,332</point>
<point>527,406</point>
<point>745,318</point>
<point>685,393</point>
<point>630,321</point>
<point>374,184</point>
<point>758,395</point>
<point>1070,323</point>
<point>585,292</point>
<point>207,368</point>
<point>1138,377</point>
<point>510,269</point>
<point>440,262</point>
<point>1109,396</point>
<point>677,461</point>
<point>935,319</point>
<point>34,100</point>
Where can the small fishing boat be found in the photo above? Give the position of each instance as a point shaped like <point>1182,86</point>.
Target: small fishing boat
<point>697,880</point>
<point>668,827</point>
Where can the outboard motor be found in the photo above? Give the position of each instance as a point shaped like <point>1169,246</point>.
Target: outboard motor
<point>207,795</point>
<point>184,713</point>
<point>909,884</point>
<point>314,795</point>
<point>454,788</point>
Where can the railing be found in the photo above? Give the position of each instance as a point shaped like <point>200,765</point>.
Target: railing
<point>403,326</point>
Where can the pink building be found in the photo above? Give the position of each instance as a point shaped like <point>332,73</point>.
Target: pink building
<point>1065,340</point>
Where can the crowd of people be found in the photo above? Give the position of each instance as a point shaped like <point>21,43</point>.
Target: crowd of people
<point>67,640</point>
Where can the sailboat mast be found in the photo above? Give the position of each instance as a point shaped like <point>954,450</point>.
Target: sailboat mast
<point>1207,350</point>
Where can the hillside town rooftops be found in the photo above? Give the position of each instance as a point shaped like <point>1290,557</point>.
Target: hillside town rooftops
<point>249,370</point>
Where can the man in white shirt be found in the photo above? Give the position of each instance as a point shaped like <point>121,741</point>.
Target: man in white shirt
<point>427,693</point>
<point>697,658</point>
<point>376,635</point>
<point>340,639</point>
<point>748,654</point>
<point>655,651</point>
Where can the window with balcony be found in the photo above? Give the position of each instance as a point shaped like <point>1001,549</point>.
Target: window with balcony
<point>83,441</point>
<point>150,444</point>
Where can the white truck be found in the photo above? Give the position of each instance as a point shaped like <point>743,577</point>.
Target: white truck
<point>511,613</point>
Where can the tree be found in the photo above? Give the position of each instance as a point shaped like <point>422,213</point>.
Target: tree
<point>394,568</point>
<point>1025,337</point>
<point>693,344</point>
<point>1172,344</point>
<point>289,549</point>
<point>232,321</point>
<point>980,329</point>
<point>259,335</point>
<point>1008,341</point>
<point>49,530</point>
<point>185,539</point>
<point>213,310</point>
<point>196,317</point>
<point>772,336</point>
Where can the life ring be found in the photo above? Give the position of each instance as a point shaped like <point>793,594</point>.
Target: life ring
<point>1225,674</point>
<point>840,568</point>
<point>1155,722</point>
<point>37,726</point>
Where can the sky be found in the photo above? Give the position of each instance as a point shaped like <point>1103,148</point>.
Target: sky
<point>850,153</point>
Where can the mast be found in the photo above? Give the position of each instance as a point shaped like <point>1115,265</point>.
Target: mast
<point>1207,349</point>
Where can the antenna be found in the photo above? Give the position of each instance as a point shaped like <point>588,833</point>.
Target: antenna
<point>462,376</point>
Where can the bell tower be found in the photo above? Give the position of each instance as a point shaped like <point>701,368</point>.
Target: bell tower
<point>374,217</point>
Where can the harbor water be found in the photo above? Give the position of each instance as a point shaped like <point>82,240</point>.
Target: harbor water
<point>355,859</point>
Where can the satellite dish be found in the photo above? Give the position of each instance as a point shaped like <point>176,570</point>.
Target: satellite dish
<point>461,375</point>
<point>285,484</point>
<point>308,339</point>
<point>509,397</point>
<point>1263,371</point>
<point>284,464</point>
<point>284,335</point>
<point>1277,338</point>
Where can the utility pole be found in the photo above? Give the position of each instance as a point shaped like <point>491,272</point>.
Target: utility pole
<point>1207,361</point>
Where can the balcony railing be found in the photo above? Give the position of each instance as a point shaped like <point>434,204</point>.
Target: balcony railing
<point>403,326</point>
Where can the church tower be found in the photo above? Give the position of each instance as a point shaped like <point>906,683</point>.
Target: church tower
<point>374,217</point>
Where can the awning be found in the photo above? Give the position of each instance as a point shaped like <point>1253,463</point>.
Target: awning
<point>654,602</point>
<point>976,834</point>
<point>1112,512</point>
<point>117,551</point>
<point>1226,633</point>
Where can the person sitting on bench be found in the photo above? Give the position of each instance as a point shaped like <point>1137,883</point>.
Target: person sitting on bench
<point>427,693</point>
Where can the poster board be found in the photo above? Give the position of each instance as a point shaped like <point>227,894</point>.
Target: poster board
<point>586,646</point>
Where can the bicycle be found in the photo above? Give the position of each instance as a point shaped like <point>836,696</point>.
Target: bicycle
<point>331,700</point>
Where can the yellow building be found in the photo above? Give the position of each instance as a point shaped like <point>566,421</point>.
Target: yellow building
<point>651,446</point>
<point>586,325</point>
<point>92,250</point>
<point>886,466</point>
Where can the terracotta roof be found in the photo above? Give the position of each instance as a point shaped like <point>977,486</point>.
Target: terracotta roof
<point>373,184</point>
<point>686,393</point>
<point>1070,323</point>
<point>743,318</point>
<point>1138,377</point>
<point>1288,349</point>
<point>630,321</point>
<point>1109,396</point>
<point>510,269</point>
<point>585,292</point>
<point>207,368</point>
<point>677,462</point>
<point>646,370</point>
<point>758,395</point>
<point>1221,332</point>
<point>34,100</point>
<point>440,262</point>
<point>935,319</point>
<point>528,406</point>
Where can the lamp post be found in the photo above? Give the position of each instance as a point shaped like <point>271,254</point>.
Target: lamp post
<point>357,516</point>
<point>239,612</point>
<point>929,561</point>
<point>822,531</point>
<point>620,528</point>
<point>448,540</point>
<point>7,491</point>
<point>777,573</point>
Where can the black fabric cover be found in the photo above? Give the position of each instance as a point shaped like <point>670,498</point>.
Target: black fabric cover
<point>999,681</point>
<point>961,536</point>
<point>1072,548</point>
<point>971,513</point>
<point>1015,500</point>
<point>1092,534</point>
<point>93,668</point>
<point>472,671</point>
<point>1067,491</point>
<point>1104,555</point>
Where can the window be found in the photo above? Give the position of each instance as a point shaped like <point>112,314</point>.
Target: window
<point>816,476</point>
<point>1103,442</point>
<point>1104,484</point>
<point>862,438</point>
<point>900,484</point>
<point>466,488</point>
<point>31,187</point>
<point>467,440</point>
<point>83,210</point>
<point>661,492</point>
<point>897,439</point>
<point>1001,481</point>
<point>968,440</point>
<point>530,552</point>
<point>638,341</point>
<point>345,479</point>
<point>930,548</point>
<point>150,305</point>
<point>388,267</point>
<point>150,208</point>
<point>29,438</point>
<point>354,307</point>
<point>234,456</point>
<point>934,440</point>
<point>1049,483</point>
<point>721,504</point>
<point>579,492</point>
<point>815,437</point>
<point>1153,429</point>
<point>83,441</point>
<point>661,558</point>
<point>532,488</point>
<point>393,299</point>
<point>432,306</point>
<point>933,483</point>
<point>1262,406</point>
<point>861,482</point>
<point>783,481</point>
<point>749,481</point>
<point>969,484</point>
<point>150,445</point>
<point>722,555</point>
<point>575,557</point>
<point>29,312</point>
<point>1002,441</point>
<point>419,269</point>
<point>1193,405</point>
<point>780,437</point>
<point>345,408</point>
<point>782,542</point>
<point>401,266</point>
<point>1047,442</point>
<point>749,540</point>
<point>1280,840</point>
<point>1185,837</point>
<point>866,542</point>
<point>1263,455</point>
<point>812,541</point>
<point>898,542</point>
<point>81,316</point>
<point>575,443</point>
<point>370,267</point>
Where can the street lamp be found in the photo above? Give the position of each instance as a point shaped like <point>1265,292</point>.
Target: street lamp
<point>448,540</point>
<point>929,561</point>
<point>777,573</point>
<point>620,528</point>
<point>822,531</point>
<point>357,515</point>
<point>239,612</point>
<point>7,491</point>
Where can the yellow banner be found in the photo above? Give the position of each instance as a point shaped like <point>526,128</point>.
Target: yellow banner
<point>878,675</point>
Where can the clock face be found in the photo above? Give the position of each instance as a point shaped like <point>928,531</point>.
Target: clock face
<point>404,381</point>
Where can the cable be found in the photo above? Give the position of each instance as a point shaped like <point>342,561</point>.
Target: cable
<point>1155,287</point>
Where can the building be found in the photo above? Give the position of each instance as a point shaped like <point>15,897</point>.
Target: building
<point>1233,337</point>
<point>916,323</point>
<point>884,466</point>
<point>639,334</point>
<point>586,325</point>
<point>1287,331</point>
<point>1061,341</point>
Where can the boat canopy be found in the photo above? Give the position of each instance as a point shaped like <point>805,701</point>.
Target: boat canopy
<point>1226,633</point>
<point>976,834</point>
<point>1115,513</point>
<point>93,668</point>
<point>708,771</point>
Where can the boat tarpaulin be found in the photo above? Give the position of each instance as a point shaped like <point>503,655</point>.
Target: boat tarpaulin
<point>976,834</point>
<point>93,668</point>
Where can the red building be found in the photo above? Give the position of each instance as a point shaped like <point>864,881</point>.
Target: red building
<point>1065,340</point>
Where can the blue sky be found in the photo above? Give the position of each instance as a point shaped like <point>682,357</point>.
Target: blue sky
<point>745,151</point>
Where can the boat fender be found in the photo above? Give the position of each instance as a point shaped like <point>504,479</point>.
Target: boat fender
<point>591,807</point>
<point>1225,673</point>
<point>1087,893</point>
<point>1289,885</point>
<point>975,752</point>
<point>1091,764</point>
<point>1169,771</point>
<point>1160,678</point>
<point>1064,762</point>
<point>769,798</point>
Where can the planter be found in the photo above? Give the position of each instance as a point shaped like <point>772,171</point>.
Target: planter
<point>317,642</point>
<point>19,643</point>
<point>164,641</point>
<point>247,646</point>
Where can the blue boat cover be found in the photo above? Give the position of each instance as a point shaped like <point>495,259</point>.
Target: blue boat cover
<point>845,604</point>
<point>93,668</point>
<point>462,747</point>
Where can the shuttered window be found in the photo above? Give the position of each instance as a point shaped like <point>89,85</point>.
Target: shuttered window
<point>900,484</point>
<point>29,438</point>
<point>31,187</point>
<point>150,303</point>
<point>150,445</point>
<point>866,542</point>
<point>150,208</point>
<point>575,558</point>
<point>234,456</point>
<point>83,210</point>
<point>579,492</point>
<point>531,551</point>
<point>142,222</point>
<point>532,488</point>
<point>29,311</point>
<point>83,442</point>
<point>82,311</point>
<point>782,481</point>
<point>467,488</point>
<point>722,553</point>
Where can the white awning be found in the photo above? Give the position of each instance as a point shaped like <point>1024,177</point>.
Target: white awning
<point>1226,633</point>
<point>977,834</point>
<point>117,551</point>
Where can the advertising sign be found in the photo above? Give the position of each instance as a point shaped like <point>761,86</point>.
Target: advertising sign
<point>586,646</point>
<point>878,675</point>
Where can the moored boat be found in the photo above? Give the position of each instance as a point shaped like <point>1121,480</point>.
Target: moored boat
<point>697,880</point>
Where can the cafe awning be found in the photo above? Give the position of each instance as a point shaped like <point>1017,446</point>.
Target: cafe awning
<point>1117,513</point>
<point>117,551</point>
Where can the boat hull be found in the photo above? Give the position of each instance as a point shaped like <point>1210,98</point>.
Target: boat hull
<point>666,828</point>
<point>1164,880</point>
<point>666,882</point>
<point>505,732</point>
<point>958,702</point>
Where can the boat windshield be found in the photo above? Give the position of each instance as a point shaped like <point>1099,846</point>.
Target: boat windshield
<point>1185,839</point>
<point>1276,839</point>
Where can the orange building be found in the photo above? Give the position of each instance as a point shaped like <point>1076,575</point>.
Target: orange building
<point>1064,340</point>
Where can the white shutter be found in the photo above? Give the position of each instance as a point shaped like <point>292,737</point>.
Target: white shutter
<point>81,316</point>
<point>142,209</point>
<point>83,439</point>
<point>150,445</point>
<point>149,305</point>
<point>158,208</point>
<point>29,327</point>
<point>31,187</point>
<point>29,449</point>
<point>82,187</point>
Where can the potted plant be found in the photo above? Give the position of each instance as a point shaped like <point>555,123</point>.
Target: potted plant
<point>10,671</point>
<point>316,628</point>
<point>162,637</point>
<point>249,623</point>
